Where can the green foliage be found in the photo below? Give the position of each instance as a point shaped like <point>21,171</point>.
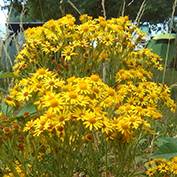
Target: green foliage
<point>167,148</point>
<point>154,10</point>
<point>4,75</point>
<point>28,109</point>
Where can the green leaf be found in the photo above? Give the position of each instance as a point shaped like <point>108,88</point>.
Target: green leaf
<point>29,108</point>
<point>4,75</point>
<point>4,107</point>
<point>167,148</point>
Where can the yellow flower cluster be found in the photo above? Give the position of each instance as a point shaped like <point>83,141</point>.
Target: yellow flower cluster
<point>162,166</point>
<point>41,81</point>
<point>68,49</point>
<point>143,58</point>
<point>89,102</point>
<point>72,49</point>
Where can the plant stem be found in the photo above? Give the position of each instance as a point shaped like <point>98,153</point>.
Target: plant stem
<point>168,46</point>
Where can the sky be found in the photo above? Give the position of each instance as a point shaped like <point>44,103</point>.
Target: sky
<point>2,19</point>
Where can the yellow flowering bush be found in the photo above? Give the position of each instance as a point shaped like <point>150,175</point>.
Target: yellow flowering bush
<point>92,94</point>
<point>89,100</point>
<point>72,49</point>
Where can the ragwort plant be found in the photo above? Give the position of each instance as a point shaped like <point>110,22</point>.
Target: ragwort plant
<point>161,167</point>
<point>91,99</point>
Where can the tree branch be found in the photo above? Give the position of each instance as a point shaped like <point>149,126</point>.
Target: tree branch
<point>103,8</point>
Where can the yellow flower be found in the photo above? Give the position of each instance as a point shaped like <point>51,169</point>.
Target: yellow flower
<point>68,53</point>
<point>10,101</point>
<point>102,21</point>
<point>73,98</point>
<point>42,72</point>
<point>135,121</point>
<point>84,18</point>
<point>108,102</point>
<point>54,104</point>
<point>95,78</point>
<point>151,171</point>
<point>107,126</point>
<point>85,27</point>
<point>92,120</point>
<point>29,126</point>
<point>68,20</point>
<point>83,87</point>
<point>123,126</point>
<point>107,39</point>
<point>162,168</point>
<point>51,83</point>
<point>24,95</point>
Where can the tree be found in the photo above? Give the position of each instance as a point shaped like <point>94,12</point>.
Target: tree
<point>44,10</point>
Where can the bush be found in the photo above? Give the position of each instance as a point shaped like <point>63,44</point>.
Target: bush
<point>84,98</point>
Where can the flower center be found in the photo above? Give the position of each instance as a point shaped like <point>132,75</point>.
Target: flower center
<point>54,103</point>
<point>94,77</point>
<point>26,94</point>
<point>92,120</point>
<point>72,95</point>
<point>83,86</point>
